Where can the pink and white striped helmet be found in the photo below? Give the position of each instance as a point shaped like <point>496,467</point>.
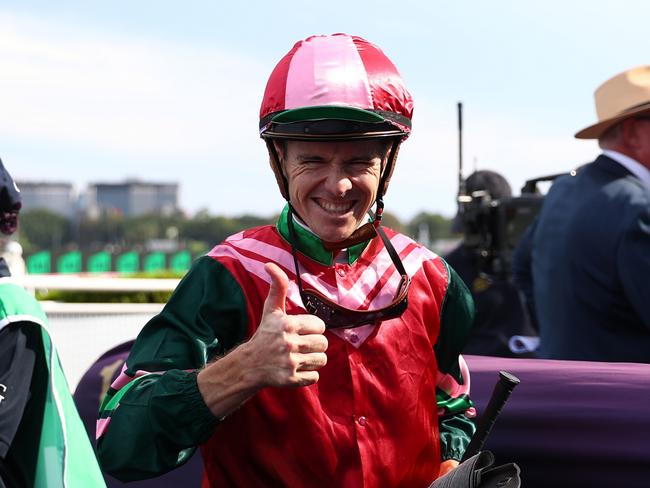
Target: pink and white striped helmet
<point>335,78</point>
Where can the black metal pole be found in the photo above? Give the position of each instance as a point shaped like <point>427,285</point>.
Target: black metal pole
<point>461,181</point>
<point>502,390</point>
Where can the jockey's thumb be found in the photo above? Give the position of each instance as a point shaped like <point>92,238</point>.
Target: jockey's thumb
<point>275,300</point>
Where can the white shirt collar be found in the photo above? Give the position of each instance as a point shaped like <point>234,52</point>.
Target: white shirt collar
<point>632,165</point>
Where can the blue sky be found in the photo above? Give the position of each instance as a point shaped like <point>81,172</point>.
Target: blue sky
<point>170,91</point>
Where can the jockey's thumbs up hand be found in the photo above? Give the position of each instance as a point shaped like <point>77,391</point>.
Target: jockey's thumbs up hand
<point>286,350</point>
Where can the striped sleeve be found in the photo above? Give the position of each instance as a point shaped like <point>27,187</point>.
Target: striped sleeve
<point>455,408</point>
<point>153,415</point>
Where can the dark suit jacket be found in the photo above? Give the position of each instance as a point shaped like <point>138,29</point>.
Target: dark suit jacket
<point>591,266</point>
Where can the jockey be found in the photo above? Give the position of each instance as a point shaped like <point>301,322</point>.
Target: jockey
<point>324,350</point>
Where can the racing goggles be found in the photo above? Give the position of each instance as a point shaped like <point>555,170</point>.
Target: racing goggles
<point>336,316</point>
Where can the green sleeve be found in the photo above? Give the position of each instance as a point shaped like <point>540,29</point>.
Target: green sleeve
<point>455,408</point>
<point>153,415</point>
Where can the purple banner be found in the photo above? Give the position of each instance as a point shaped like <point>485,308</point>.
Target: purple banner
<point>570,423</point>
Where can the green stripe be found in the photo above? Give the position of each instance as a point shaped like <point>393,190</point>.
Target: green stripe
<point>453,406</point>
<point>111,402</point>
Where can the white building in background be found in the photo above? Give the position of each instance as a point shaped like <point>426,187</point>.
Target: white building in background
<point>133,198</point>
<point>57,197</point>
<point>130,198</point>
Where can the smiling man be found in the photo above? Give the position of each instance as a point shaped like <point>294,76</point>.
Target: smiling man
<point>332,186</point>
<point>323,351</point>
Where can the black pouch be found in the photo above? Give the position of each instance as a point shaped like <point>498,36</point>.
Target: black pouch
<point>479,472</point>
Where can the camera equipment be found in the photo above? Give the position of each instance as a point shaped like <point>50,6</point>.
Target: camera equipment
<point>492,227</point>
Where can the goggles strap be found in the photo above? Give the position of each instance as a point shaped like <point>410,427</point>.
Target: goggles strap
<point>391,251</point>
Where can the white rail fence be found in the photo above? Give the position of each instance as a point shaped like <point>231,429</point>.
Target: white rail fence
<point>84,331</point>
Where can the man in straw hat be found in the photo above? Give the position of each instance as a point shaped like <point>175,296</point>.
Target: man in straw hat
<point>591,247</point>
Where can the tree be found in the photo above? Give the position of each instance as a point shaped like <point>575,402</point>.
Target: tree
<point>437,226</point>
<point>109,229</point>
<point>392,222</point>
<point>213,230</point>
<point>44,229</point>
<point>142,229</point>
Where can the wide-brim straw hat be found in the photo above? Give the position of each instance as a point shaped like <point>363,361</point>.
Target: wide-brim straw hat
<point>625,95</point>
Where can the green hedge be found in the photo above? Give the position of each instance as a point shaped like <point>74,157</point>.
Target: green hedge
<point>114,296</point>
<point>105,296</point>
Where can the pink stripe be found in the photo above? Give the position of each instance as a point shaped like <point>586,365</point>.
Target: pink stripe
<point>256,268</point>
<point>236,237</point>
<point>353,297</point>
<point>267,252</point>
<point>280,256</point>
<point>101,426</point>
<point>448,383</point>
<point>412,264</point>
<point>373,273</point>
<point>277,255</point>
<point>124,378</point>
<point>327,71</point>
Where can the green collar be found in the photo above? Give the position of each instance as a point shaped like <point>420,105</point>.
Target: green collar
<point>310,244</point>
